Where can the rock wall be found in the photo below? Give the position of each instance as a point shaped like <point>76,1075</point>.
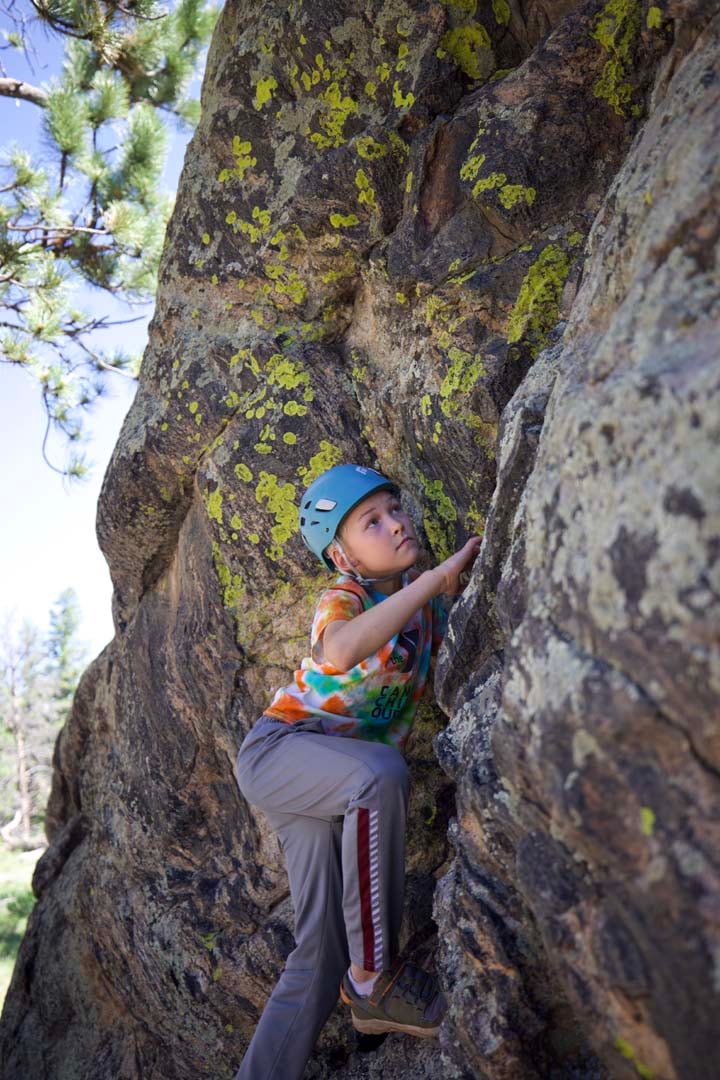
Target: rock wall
<point>477,245</point>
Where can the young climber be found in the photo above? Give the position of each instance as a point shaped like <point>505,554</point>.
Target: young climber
<point>325,764</point>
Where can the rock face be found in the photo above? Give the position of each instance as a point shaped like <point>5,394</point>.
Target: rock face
<point>477,245</point>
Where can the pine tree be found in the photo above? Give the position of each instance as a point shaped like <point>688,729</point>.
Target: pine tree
<point>95,214</point>
<point>38,679</point>
<point>66,656</point>
<point>28,728</point>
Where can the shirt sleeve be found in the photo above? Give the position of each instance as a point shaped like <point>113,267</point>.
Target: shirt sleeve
<point>335,604</point>
<point>439,623</point>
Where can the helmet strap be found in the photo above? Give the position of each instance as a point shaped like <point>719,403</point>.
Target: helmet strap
<point>353,574</point>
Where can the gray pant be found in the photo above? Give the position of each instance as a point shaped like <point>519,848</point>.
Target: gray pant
<point>338,806</point>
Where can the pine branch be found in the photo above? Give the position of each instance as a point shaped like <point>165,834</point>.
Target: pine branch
<point>16,88</point>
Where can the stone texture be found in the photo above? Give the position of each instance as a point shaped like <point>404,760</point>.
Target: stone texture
<point>478,247</point>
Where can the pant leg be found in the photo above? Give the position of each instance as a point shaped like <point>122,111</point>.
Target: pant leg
<point>307,990</point>
<point>304,781</point>
<point>291,771</point>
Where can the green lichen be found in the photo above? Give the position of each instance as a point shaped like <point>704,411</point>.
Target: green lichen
<point>488,183</point>
<point>398,144</point>
<point>647,820</point>
<point>460,279</point>
<point>256,229</point>
<point>469,6</point>
<point>264,91</point>
<point>426,404</point>
<point>233,586</point>
<point>501,11</point>
<point>337,108</point>
<point>370,149</point>
<point>627,1052</point>
<point>616,29</point>
<point>439,521</point>
<point>466,45</point>
<point>366,192</point>
<point>536,308</point>
<point>327,456</point>
<point>241,150</point>
<point>472,166</point>
<point>288,374</point>
<point>279,500</point>
<point>213,504</point>
<point>286,281</point>
<point>474,519</point>
<point>344,221</point>
<point>400,100</point>
<point>460,378</point>
<point>515,193</point>
<point>654,18</point>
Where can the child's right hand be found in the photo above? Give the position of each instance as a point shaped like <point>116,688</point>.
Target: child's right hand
<point>455,570</point>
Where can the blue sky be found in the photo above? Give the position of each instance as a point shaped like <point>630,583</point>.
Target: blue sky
<point>47,538</point>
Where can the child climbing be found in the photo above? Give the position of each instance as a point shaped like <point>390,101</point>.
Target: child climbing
<point>325,764</point>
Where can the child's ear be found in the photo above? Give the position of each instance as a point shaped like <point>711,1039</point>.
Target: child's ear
<point>338,556</point>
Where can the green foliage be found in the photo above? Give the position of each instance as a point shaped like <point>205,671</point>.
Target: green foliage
<point>65,655</point>
<point>92,211</point>
<point>38,679</point>
<point>16,903</point>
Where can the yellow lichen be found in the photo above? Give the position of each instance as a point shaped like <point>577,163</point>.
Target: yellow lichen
<point>536,308</point>
<point>466,45</point>
<point>233,587</point>
<point>501,11</point>
<point>627,1052</point>
<point>337,107</point>
<point>241,150</point>
<point>264,91</point>
<point>344,221</point>
<point>439,521</point>
<point>279,500</point>
<point>647,820</point>
<point>401,101</point>
<point>366,192</point>
<point>511,194</point>
<point>327,456</point>
<point>368,148</point>
<point>616,29</point>
<point>488,183</point>
<point>213,504</point>
<point>243,473</point>
<point>460,378</point>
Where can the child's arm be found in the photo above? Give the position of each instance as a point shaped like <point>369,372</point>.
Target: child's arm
<point>347,642</point>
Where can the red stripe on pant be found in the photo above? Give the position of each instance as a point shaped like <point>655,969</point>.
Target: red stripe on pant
<point>363,857</point>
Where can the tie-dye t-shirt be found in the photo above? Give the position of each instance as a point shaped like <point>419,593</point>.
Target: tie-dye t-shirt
<point>378,697</point>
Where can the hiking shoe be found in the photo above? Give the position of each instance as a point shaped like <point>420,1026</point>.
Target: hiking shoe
<point>404,998</point>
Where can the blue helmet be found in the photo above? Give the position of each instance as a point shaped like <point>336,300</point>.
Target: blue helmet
<point>329,500</point>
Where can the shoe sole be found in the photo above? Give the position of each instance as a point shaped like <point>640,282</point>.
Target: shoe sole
<point>380,1027</point>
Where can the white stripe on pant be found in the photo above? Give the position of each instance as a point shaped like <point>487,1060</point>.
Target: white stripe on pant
<point>346,874</point>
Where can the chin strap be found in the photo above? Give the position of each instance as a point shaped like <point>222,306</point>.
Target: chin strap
<point>357,577</point>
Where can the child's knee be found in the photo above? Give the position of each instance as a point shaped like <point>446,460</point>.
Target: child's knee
<point>392,771</point>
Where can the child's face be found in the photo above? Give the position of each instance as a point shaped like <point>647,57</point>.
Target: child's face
<point>379,536</point>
